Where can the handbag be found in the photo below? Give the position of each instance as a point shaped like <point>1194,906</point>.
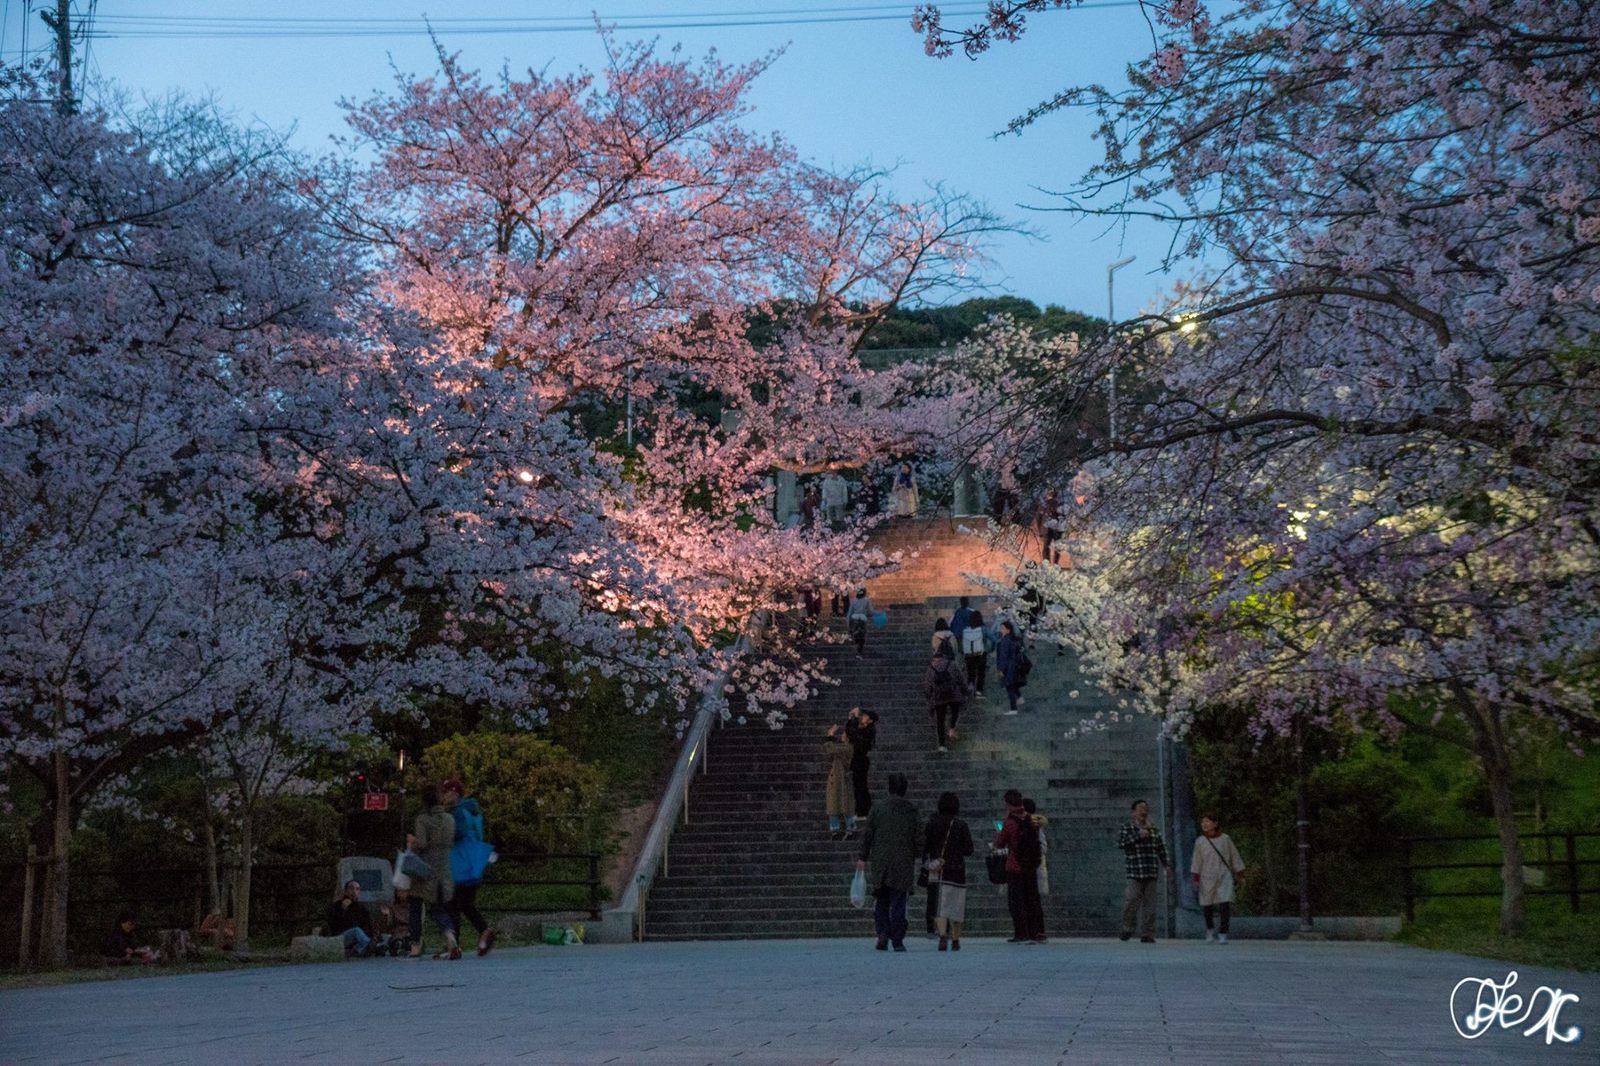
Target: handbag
<point>926,876</point>
<point>996,862</point>
<point>415,867</point>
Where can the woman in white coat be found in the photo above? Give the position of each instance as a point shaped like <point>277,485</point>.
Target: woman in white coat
<point>1217,868</point>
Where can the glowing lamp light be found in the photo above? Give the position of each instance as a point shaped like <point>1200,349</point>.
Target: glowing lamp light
<point>525,476</point>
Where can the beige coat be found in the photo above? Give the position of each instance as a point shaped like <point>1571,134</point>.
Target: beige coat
<point>1217,871</point>
<point>435,831</point>
<point>841,800</point>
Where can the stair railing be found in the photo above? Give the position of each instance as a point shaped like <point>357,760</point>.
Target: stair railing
<point>654,857</point>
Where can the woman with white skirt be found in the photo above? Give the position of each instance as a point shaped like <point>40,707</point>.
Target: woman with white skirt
<point>948,843</point>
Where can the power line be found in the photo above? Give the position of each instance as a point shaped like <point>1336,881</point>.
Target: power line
<point>221,27</point>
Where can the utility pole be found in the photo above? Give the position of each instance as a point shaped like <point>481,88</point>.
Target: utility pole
<point>1111,323</point>
<point>60,22</point>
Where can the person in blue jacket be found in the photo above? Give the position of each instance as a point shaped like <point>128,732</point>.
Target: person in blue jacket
<point>1011,663</point>
<point>469,859</point>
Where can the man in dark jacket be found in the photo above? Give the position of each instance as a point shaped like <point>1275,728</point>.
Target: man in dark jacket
<point>1019,839</point>
<point>348,918</point>
<point>891,844</point>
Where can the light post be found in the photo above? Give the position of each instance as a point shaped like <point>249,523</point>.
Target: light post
<point>1111,321</point>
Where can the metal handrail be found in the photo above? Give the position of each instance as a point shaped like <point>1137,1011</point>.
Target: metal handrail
<point>675,799</point>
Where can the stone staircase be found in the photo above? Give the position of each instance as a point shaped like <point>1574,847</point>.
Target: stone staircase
<point>755,859</point>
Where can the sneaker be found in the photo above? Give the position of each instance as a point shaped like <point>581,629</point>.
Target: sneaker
<point>1124,936</point>
<point>943,748</point>
<point>944,945</point>
<point>1147,940</point>
<point>882,945</point>
<point>1019,940</point>
<point>951,735</point>
<point>899,945</point>
<point>955,945</point>
<point>1222,938</point>
<point>1020,701</point>
<point>1210,935</point>
<point>1041,939</point>
<point>850,834</point>
<point>837,834</point>
<point>1012,713</point>
<point>486,942</point>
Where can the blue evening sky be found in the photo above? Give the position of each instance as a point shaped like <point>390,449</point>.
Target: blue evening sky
<point>843,92</point>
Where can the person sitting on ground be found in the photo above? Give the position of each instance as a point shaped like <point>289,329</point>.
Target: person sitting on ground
<point>348,919</point>
<point>124,946</point>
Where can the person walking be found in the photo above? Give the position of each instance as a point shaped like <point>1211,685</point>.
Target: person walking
<point>1018,839</point>
<point>836,755</point>
<point>470,857</point>
<point>856,620</point>
<point>961,619</point>
<point>1012,665</point>
<point>861,732</point>
<point>890,844</point>
<point>430,839</point>
<point>945,688</point>
<point>1042,873</point>
<point>1146,857</point>
<point>1217,869</point>
<point>835,499</point>
<point>810,507</point>
<point>948,842</point>
<point>975,652</point>
<point>904,495</point>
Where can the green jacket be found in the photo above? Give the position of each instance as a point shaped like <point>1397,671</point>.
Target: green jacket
<point>891,844</point>
<point>435,831</point>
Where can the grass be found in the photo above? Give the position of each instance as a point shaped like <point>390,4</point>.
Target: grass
<point>1553,935</point>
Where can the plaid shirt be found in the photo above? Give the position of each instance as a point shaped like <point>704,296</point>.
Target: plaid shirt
<point>1146,855</point>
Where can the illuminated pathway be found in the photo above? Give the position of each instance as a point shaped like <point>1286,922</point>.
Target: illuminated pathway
<point>818,1001</point>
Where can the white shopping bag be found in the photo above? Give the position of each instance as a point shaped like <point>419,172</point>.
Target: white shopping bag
<point>858,890</point>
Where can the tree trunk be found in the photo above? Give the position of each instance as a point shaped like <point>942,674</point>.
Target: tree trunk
<point>208,839</point>
<point>1302,826</point>
<point>1495,759</point>
<point>1268,867</point>
<point>53,941</point>
<point>241,890</point>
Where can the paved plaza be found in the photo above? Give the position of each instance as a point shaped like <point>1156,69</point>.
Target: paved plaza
<point>820,1001</point>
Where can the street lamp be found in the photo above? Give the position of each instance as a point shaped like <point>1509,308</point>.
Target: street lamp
<point>1111,320</point>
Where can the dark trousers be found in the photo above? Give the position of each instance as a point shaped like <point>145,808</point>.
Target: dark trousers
<point>977,667</point>
<point>858,632</point>
<point>1013,693</point>
<point>858,779</point>
<point>464,904</point>
<point>933,906</point>
<point>1223,910</point>
<point>1022,897</point>
<point>943,714</point>
<point>840,604</point>
<point>437,908</point>
<point>889,915</point>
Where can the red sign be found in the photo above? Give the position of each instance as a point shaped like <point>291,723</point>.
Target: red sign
<point>375,801</point>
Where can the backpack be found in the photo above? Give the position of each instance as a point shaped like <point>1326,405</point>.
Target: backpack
<point>972,642</point>
<point>1024,666</point>
<point>947,685</point>
<point>946,648</point>
<point>1029,853</point>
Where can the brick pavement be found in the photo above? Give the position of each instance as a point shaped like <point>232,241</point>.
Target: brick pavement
<point>819,1001</point>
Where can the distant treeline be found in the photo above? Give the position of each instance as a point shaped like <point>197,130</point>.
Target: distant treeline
<point>933,327</point>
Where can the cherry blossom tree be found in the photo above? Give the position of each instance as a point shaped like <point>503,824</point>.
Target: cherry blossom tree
<point>589,244</point>
<point>1358,473</point>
